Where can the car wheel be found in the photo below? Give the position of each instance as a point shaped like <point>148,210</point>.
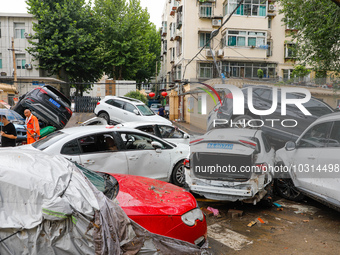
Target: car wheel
<point>243,119</point>
<point>178,176</point>
<point>285,187</point>
<point>105,116</point>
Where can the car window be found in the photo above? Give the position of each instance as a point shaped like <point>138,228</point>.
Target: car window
<point>129,107</point>
<point>148,129</point>
<point>316,136</point>
<point>97,143</point>
<point>263,93</point>
<point>317,107</point>
<point>146,111</point>
<point>48,140</point>
<point>170,132</point>
<point>115,103</point>
<point>71,148</point>
<point>334,138</point>
<point>136,141</point>
<point>266,143</point>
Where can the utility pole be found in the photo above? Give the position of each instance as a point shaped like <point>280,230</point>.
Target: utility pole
<point>14,65</point>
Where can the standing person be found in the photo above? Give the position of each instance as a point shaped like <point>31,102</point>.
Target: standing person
<point>161,111</point>
<point>8,133</point>
<point>32,126</point>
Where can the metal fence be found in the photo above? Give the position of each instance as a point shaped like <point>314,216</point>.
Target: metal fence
<point>85,103</point>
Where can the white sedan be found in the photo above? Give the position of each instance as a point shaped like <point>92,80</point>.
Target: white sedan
<point>168,132</point>
<point>118,150</point>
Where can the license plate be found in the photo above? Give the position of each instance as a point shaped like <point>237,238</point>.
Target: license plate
<point>54,102</point>
<point>226,146</point>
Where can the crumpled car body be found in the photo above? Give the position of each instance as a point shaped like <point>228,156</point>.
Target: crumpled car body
<point>48,206</point>
<point>231,165</point>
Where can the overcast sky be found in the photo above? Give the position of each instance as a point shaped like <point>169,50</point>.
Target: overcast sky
<point>155,8</point>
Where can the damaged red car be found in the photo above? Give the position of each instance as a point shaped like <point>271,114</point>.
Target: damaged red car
<point>160,207</point>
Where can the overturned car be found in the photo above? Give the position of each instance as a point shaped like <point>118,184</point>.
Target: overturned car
<point>231,164</point>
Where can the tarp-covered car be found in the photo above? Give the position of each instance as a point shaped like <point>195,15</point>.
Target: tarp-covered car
<point>48,206</point>
<point>231,164</point>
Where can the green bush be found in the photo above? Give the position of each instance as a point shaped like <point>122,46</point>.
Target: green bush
<point>260,73</point>
<point>137,95</point>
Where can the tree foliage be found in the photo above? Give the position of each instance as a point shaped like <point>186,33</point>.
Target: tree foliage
<point>130,42</point>
<point>137,95</point>
<point>317,32</point>
<point>300,71</point>
<point>66,40</point>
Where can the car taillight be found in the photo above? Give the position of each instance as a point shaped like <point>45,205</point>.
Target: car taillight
<point>195,141</point>
<point>69,111</point>
<point>63,122</point>
<point>248,143</point>
<point>31,99</point>
<point>43,91</point>
<point>98,103</point>
<point>186,163</point>
<point>261,168</point>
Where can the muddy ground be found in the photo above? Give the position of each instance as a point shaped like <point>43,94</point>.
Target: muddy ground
<point>298,228</point>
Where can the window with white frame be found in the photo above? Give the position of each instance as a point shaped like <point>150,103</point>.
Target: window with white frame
<point>247,8</point>
<point>172,54</point>
<point>245,38</point>
<point>203,39</point>
<point>20,60</point>
<point>269,49</point>
<point>19,30</point>
<point>205,70</point>
<point>206,10</point>
<point>178,72</point>
<point>287,73</point>
<point>179,47</point>
<point>289,50</point>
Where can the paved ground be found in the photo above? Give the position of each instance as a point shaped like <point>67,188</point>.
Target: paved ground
<point>297,228</point>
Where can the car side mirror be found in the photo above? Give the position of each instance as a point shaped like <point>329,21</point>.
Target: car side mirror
<point>290,145</point>
<point>135,112</point>
<point>156,145</point>
<point>186,136</point>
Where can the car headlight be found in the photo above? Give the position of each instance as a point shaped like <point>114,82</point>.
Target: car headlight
<point>189,218</point>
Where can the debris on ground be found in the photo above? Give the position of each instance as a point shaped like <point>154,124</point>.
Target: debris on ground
<point>260,220</point>
<point>213,210</point>
<point>207,212</point>
<point>252,223</point>
<point>234,213</point>
<point>277,205</point>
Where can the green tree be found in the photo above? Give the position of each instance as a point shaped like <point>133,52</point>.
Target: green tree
<point>66,40</point>
<point>317,32</point>
<point>300,71</point>
<point>137,95</point>
<point>260,73</point>
<point>128,45</point>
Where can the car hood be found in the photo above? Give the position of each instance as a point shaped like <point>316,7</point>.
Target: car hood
<point>145,196</point>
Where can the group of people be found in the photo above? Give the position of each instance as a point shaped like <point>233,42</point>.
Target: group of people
<point>8,132</point>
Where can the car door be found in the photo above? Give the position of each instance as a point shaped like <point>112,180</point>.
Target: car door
<point>145,160</point>
<point>96,155</point>
<point>115,110</point>
<point>327,179</point>
<point>129,113</point>
<point>306,156</point>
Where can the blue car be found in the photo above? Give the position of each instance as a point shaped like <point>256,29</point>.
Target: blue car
<point>18,121</point>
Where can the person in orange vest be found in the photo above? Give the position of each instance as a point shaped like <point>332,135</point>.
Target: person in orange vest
<point>32,126</point>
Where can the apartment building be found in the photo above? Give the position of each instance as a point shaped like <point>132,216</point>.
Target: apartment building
<point>253,38</point>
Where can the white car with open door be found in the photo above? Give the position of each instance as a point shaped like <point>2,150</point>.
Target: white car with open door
<point>118,150</point>
<point>116,109</point>
<point>311,166</point>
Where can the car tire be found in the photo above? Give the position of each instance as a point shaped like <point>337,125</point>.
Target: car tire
<point>285,188</point>
<point>242,117</point>
<point>105,116</point>
<point>267,200</point>
<point>178,176</point>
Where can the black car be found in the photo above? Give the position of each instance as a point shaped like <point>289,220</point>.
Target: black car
<point>270,124</point>
<point>47,104</point>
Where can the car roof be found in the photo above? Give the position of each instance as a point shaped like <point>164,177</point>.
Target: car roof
<point>335,116</point>
<point>143,123</point>
<point>125,99</point>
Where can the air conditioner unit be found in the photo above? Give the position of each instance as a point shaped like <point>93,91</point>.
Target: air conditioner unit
<point>271,7</point>
<point>216,22</point>
<point>28,66</point>
<point>209,53</point>
<point>220,53</point>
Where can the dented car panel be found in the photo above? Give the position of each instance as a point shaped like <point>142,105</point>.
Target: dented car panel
<point>230,165</point>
